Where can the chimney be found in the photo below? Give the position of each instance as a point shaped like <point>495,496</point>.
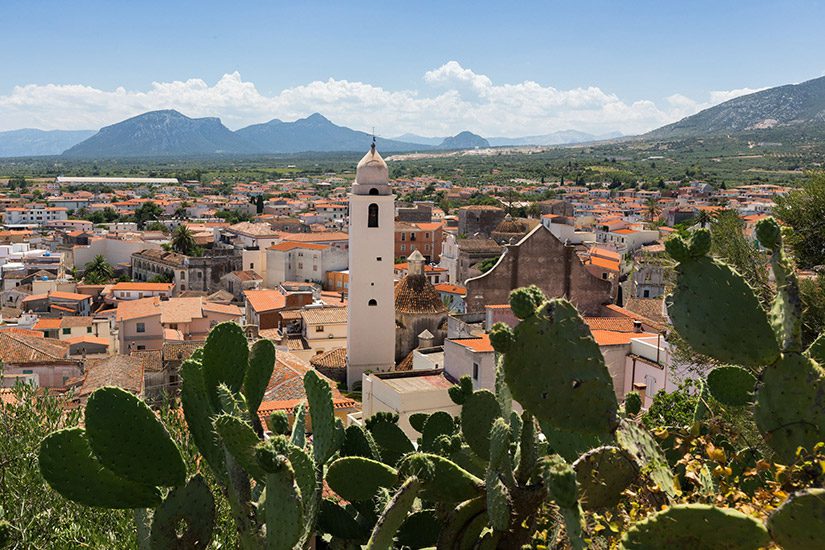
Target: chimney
<point>637,326</point>
<point>415,263</point>
<point>641,389</point>
<point>425,339</point>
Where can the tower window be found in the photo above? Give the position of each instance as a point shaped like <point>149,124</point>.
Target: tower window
<point>372,302</point>
<point>372,215</point>
<point>373,191</point>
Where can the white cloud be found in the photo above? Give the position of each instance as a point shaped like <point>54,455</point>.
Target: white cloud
<point>452,98</point>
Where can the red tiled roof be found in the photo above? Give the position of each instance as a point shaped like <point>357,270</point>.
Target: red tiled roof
<point>481,344</point>
<point>265,300</point>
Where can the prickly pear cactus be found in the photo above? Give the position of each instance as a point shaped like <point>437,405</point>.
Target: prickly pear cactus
<point>714,309</point>
<point>554,367</point>
<point>479,412</point>
<point>70,467</point>
<point>145,452</point>
<point>644,449</point>
<point>732,386</point>
<point>192,505</point>
<point>799,524</point>
<point>356,478</point>
<point>602,474</point>
<point>790,405</point>
<point>697,526</point>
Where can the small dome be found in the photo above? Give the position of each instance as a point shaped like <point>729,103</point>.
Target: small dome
<point>372,170</point>
<point>416,294</point>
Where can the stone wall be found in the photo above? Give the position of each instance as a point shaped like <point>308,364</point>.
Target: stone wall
<point>543,260</point>
<point>481,220</point>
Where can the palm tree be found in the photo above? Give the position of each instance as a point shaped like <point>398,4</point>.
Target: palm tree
<point>653,210</point>
<point>98,271</point>
<point>703,218</point>
<point>183,242</point>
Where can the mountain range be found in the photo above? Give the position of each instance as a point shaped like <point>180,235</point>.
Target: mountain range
<point>794,112</point>
<point>32,142</point>
<point>791,111</point>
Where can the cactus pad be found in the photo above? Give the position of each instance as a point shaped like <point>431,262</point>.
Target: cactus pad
<point>445,482</point>
<point>417,421</point>
<point>555,369</point>
<point>391,440</point>
<point>338,522</point>
<point>356,478</point>
<point>69,466</point>
<point>732,386</point>
<point>524,301</point>
<point>602,474</point>
<point>326,439</point>
<point>358,442</point>
<point>240,440</point>
<point>799,524</point>
<point>278,423</point>
<point>790,405</point>
<point>283,509</point>
<point>438,423</point>
<point>697,526</point>
<point>394,515</point>
<point>419,530</point>
<point>479,412</point>
<point>197,409</point>
<point>225,358</point>
<point>718,314</point>
<point>194,505</point>
<point>129,440</point>
<point>644,449</point>
<point>258,372</point>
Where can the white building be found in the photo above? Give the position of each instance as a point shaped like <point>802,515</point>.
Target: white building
<point>371,309</point>
<point>34,215</point>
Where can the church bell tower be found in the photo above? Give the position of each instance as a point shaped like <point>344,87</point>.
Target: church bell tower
<point>370,308</point>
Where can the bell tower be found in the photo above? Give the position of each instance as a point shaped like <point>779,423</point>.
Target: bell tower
<point>370,307</point>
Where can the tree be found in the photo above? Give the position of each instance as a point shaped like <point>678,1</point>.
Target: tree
<point>259,204</point>
<point>731,245</point>
<point>98,271</point>
<point>653,210</point>
<point>146,212</point>
<point>804,211</point>
<point>812,294</point>
<point>183,241</point>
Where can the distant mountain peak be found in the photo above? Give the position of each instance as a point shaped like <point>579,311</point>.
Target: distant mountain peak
<point>464,140</point>
<point>790,107</point>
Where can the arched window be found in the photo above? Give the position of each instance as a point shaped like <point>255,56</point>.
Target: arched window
<point>373,191</point>
<point>372,302</point>
<point>372,215</point>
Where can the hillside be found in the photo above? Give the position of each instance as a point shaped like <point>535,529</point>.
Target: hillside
<point>161,133</point>
<point>776,112</point>
<point>464,140</point>
<point>29,142</point>
<point>314,133</point>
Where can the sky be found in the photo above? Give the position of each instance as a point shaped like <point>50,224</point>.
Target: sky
<point>431,68</point>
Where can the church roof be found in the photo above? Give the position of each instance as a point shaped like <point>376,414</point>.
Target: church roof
<point>416,294</point>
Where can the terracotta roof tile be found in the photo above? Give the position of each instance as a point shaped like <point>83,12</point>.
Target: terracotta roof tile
<point>265,300</point>
<point>415,294</point>
<point>324,315</point>
<point>123,371</point>
<point>19,349</point>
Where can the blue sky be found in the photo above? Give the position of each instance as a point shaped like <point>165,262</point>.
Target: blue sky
<point>511,67</point>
